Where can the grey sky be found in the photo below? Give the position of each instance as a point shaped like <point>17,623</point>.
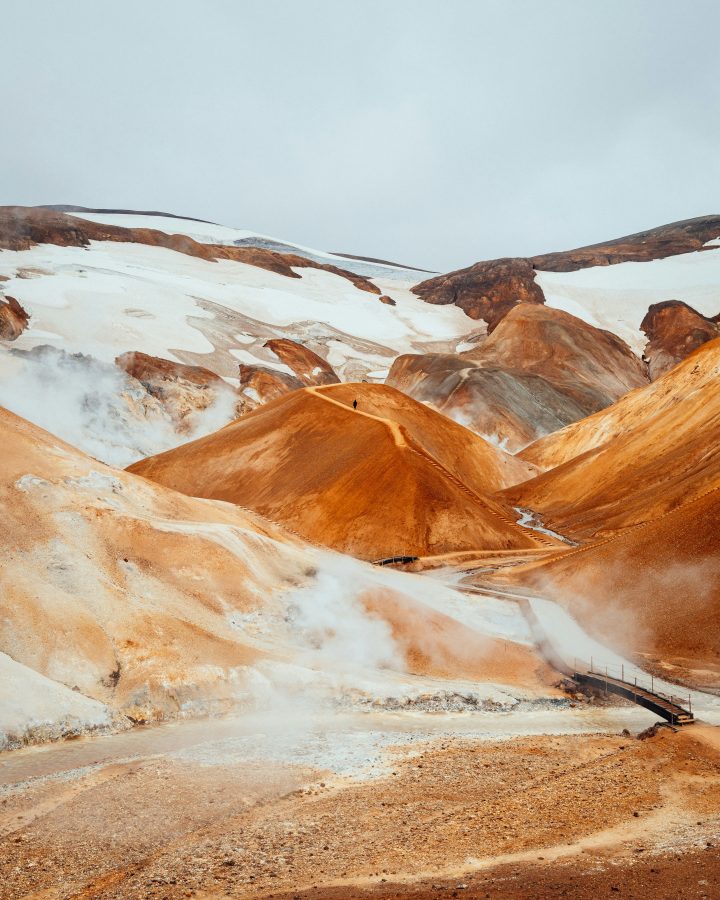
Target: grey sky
<point>434,132</point>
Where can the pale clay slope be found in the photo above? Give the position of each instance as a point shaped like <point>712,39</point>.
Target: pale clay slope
<point>137,601</point>
<point>36,708</point>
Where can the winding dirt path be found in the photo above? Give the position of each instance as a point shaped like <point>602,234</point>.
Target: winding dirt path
<point>404,441</point>
<point>395,430</point>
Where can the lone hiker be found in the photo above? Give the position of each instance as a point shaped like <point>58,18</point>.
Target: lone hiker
<point>354,404</point>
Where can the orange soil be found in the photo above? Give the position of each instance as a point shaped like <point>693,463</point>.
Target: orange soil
<point>458,813</point>
<point>121,587</point>
<point>654,588</point>
<point>641,458</point>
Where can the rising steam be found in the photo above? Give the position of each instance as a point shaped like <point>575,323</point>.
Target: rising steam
<point>98,408</point>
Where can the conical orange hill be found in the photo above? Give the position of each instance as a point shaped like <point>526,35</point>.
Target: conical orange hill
<point>391,476</point>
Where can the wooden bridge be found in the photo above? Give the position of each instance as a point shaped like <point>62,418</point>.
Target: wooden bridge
<point>677,710</point>
<point>389,560</point>
<point>609,679</point>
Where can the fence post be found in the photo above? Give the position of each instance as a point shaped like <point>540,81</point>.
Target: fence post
<point>652,683</point>
<point>622,672</point>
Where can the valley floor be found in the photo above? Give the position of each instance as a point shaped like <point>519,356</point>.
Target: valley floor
<point>368,804</point>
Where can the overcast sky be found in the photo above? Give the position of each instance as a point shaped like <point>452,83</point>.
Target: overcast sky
<point>433,132</point>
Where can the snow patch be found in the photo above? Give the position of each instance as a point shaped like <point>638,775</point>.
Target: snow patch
<point>530,519</point>
<point>617,297</point>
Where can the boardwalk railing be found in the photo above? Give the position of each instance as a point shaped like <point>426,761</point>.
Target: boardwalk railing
<point>389,560</point>
<point>640,689</point>
<point>609,678</point>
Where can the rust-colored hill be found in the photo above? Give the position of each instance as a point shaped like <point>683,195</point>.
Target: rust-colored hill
<point>391,477</point>
<point>653,589</point>
<point>538,370</point>
<point>124,601</point>
<point>651,452</point>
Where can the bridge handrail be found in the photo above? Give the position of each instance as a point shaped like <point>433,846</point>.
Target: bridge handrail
<point>683,712</point>
<point>617,673</point>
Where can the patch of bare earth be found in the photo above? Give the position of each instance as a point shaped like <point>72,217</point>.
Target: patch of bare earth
<point>534,817</point>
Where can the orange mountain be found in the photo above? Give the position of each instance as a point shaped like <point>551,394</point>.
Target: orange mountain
<point>653,589</point>
<point>652,451</point>
<point>538,370</point>
<point>390,477</point>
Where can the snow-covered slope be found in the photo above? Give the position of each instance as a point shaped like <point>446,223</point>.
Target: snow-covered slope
<point>107,284</point>
<point>210,233</point>
<point>617,297</point>
<point>113,297</point>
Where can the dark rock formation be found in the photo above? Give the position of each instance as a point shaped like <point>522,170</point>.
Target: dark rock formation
<point>488,290</point>
<point>674,330</point>
<point>13,319</point>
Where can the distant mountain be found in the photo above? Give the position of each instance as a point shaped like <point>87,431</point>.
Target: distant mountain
<point>602,284</point>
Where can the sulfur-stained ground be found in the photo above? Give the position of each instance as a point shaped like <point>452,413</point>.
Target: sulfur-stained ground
<point>540,816</point>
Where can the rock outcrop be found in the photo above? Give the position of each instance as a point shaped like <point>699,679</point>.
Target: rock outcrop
<point>674,329</point>
<point>153,371</point>
<point>261,384</point>
<point>488,290</point>
<point>309,368</point>
<point>183,390</point>
<point>13,319</point>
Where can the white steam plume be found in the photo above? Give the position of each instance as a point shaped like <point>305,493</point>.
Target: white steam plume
<point>96,407</point>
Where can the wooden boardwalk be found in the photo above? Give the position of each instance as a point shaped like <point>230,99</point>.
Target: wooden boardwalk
<point>676,710</point>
